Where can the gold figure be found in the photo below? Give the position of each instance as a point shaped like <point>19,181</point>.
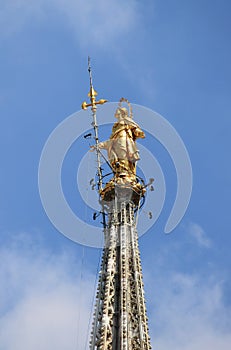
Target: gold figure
<point>122,154</point>
<point>121,147</point>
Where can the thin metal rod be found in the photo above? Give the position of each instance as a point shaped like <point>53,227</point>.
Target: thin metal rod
<point>95,126</point>
<point>93,94</point>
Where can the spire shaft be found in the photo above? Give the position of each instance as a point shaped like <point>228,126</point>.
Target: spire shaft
<point>119,320</point>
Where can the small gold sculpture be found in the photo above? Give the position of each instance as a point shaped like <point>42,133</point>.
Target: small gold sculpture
<point>122,150</point>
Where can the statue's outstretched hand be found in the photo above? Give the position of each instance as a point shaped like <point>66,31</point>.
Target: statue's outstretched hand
<point>92,148</point>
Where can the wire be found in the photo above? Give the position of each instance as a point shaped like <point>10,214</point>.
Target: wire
<point>140,205</point>
<point>93,299</point>
<point>80,295</point>
<point>79,345</point>
<point>105,160</point>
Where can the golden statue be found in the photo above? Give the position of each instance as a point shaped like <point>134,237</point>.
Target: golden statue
<point>121,147</point>
<point>122,150</point>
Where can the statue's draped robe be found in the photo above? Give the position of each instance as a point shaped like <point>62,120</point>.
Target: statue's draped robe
<point>121,147</point>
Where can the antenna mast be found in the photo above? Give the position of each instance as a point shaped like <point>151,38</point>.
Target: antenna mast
<point>92,95</point>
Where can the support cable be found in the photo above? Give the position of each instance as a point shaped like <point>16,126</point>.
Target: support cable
<point>93,299</point>
<point>80,296</point>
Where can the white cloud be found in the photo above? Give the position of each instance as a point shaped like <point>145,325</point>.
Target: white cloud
<point>100,23</point>
<point>189,313</point>
<point>99,27</point>
<point>199,234</point>
<point>95,23</point>
<point>44,305</point>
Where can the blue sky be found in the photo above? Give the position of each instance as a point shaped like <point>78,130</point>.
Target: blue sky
<point>170,56</point>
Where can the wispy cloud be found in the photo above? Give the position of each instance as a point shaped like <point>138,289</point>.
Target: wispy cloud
<point>99,28</point>
<point>189,313</point>
<point>200,235</point>
<point>44,305</point>
<point>100,23</point>
<point>95,23</point>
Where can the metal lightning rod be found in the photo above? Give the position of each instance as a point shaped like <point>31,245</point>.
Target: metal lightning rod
<point>92,95</point>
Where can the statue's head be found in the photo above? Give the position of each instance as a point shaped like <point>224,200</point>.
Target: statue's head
<point>121,113</point>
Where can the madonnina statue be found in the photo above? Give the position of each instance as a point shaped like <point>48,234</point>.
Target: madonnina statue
<point>122,150</point>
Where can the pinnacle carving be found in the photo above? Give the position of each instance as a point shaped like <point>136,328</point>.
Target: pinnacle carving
<point>120,321</point>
